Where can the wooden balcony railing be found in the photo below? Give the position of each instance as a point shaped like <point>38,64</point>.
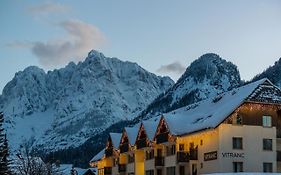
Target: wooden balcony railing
<point>159,161</point>
<point>107,170</point>
<point>124,148</point>
<point>121,168</point>
<point>182,157</point>
<point>162,138</point>
<point>142,143</point>
<point>109,152</point>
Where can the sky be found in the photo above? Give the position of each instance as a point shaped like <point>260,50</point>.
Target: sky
<point>162,36</point>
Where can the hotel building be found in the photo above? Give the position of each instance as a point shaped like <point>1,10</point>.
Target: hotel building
<point>237,131</point>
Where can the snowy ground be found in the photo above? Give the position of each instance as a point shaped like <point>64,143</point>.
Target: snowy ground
<point>66,168</point>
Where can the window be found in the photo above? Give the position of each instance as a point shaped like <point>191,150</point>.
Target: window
<point>149,154</point>
<point>149,172</point>
<point>267,144</point>
<point>159,152</point>
<point>131,158</point>
<point>171,150</point>
<point>267,167</point>
<point>159,172</point>
<point>181,147</point>
<point>201,165</point>
<point>182,170</point>
<point>237,166</point>
<point>237,120</point>
<point>171,170</point>
<point>237,143</point>
<point>201,142</point>
<point>266,121</point>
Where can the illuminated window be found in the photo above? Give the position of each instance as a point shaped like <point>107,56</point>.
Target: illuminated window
<point>267,144</point>
<point>266,121</point>
<point>237,143</point>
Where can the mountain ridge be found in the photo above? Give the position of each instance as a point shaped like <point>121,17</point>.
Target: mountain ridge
<point>73,101</point>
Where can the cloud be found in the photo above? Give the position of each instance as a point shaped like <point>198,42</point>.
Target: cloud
<point>175,67</point>
<point>19,45</point>
<point>81,37</point>
<point>48,8</point>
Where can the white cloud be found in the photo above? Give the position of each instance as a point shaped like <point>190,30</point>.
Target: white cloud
<point>174,68</point>
<point>81,37</point>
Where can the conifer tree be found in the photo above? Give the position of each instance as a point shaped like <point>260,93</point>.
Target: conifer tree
<point>4,149</point>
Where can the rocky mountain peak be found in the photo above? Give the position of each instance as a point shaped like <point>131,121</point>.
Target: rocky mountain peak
<point>76,101</point>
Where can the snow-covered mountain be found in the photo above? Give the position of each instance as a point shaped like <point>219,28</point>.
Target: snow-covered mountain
<point>65,107</point>
<point>207,76</point>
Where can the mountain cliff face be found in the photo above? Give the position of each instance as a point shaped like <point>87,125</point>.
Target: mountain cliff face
<point>65,107</point>
<point>207,76</point>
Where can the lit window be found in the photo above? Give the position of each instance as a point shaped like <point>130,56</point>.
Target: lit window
<point>266,121</point>
<point>267,144</point>
<point>237,143</point>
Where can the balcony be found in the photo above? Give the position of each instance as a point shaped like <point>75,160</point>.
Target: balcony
<point>142,143</point>
<point>193,154</point>
<point>108,152</point>
<point>107,170</point>
<point>162,138</point>
<point>121,168</point>
<point>182,157</point>
<point>124,148</point>
<point>159,161</point>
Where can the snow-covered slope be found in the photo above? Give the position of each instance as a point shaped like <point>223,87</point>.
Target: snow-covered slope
<point>65,107</point>
<point>206,77</point>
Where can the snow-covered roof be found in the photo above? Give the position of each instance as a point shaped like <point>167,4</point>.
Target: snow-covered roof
<point>98,156</point>
<point>150,128</point>
<point>115,138</point>
<point>132,133</point>
<point>208,113</point>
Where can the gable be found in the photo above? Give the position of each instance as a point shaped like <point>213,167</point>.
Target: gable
<point>266,93</point>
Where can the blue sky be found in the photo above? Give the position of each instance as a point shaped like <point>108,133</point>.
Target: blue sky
<point>154,34</point>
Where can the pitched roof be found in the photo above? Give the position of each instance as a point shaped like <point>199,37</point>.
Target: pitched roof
<point>150,128</point>
<point>98,156</point>
<point>132,133</point>
<point>115,138</point>
<point>209,113</point>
